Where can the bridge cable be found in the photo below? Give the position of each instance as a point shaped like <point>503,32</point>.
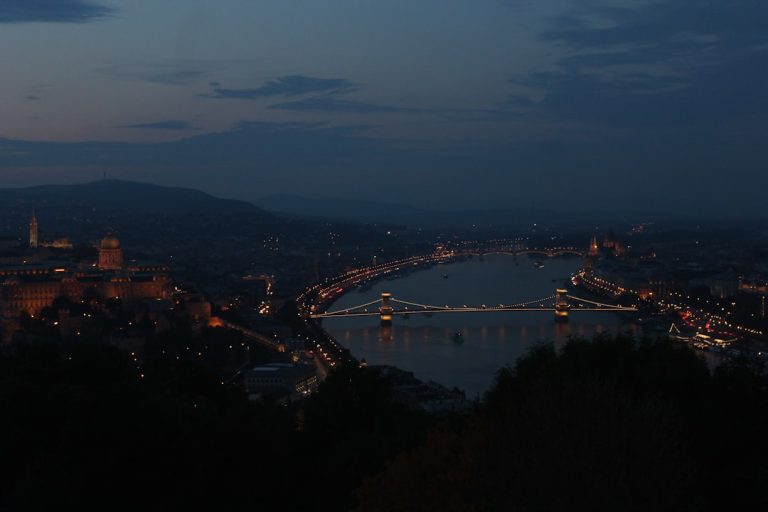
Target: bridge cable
<point>599,304</point>
<point>338,311</point>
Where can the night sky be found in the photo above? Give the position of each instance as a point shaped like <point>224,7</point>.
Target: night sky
<point>566,104</point>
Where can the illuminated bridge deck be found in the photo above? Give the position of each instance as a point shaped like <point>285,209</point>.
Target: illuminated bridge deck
<point>558,302</point>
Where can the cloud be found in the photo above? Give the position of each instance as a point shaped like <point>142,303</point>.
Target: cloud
<point>32,97</point>
<point>164,74</point>
<point>323,95</point>
<point>291,85</point>
<point>163,125</point>
<point>176,76</point>
<point>244,143</point>
<point>331,104</point>
<point>659,64</point>
<point>59,11</point>
<point>322,159</point>
<point>600,24</point>
<point>660,36</point>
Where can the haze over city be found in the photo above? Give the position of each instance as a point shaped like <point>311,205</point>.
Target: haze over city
<point>450,104</point>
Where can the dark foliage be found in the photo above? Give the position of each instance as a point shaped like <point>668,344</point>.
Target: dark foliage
<point>81,430</point>
<point>355,425</point>
<point>611,424</point>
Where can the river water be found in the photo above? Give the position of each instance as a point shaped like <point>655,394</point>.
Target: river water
<point>427,345</point>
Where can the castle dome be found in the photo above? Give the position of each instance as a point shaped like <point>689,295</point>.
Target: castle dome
<point>110,242</point>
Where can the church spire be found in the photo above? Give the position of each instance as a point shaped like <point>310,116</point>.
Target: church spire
<point>594,249</point>
<point>33,235</point>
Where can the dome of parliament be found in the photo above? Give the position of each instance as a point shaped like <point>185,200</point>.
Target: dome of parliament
<point>110,242</point>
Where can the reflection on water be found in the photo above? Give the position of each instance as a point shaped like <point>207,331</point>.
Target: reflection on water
<point>430,346</point>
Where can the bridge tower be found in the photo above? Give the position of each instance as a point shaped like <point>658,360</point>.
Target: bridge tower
<point>561,305</point>
<point>385,310</point>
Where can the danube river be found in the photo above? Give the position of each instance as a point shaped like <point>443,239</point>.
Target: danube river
<point>429,345</point>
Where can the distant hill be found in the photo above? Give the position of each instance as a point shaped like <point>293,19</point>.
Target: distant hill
<point>346,209</point>
<point>393,213</point>
<point>120,195</point>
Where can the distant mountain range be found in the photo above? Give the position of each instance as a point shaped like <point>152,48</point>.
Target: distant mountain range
<point>393,213</point>
<point>145,198</point>
<point>123,195</point>
<point>346,209</point>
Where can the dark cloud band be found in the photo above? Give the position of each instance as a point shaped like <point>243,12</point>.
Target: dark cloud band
<point>292,85</point>
<point>163,125</point>
<point>53,11</point>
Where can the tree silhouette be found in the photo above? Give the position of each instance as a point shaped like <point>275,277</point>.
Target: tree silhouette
<point>608,424</point>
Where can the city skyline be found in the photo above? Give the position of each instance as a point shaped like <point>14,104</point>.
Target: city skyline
<point>444,104</point>
<point>366,255</point>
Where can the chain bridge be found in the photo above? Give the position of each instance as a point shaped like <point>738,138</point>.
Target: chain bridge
<point>561,304</point>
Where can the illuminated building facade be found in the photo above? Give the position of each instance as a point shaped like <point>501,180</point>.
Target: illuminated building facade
<point>30,286</point>
<point>58,243</point>
<point>594,248</point>
<point>611,246</point>
<point>110,254</point>
<point>297,380</point>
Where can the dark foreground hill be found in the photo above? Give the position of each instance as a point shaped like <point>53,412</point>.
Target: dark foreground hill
<point>607,425</point>
<point>611,424</point>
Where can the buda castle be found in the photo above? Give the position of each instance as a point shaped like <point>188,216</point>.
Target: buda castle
<point>31,278</point>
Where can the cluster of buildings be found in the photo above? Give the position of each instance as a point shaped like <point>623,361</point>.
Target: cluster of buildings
<point>682,268</point>
<point>611,246</point>
<point>715,284</point>
<point>612,269</point>
<point>32,277</point>
<point>425,396</point>
<point>95,292</point>
<point>282,381</point>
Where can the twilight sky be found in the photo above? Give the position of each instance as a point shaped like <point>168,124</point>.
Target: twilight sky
<point>446,103</point>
